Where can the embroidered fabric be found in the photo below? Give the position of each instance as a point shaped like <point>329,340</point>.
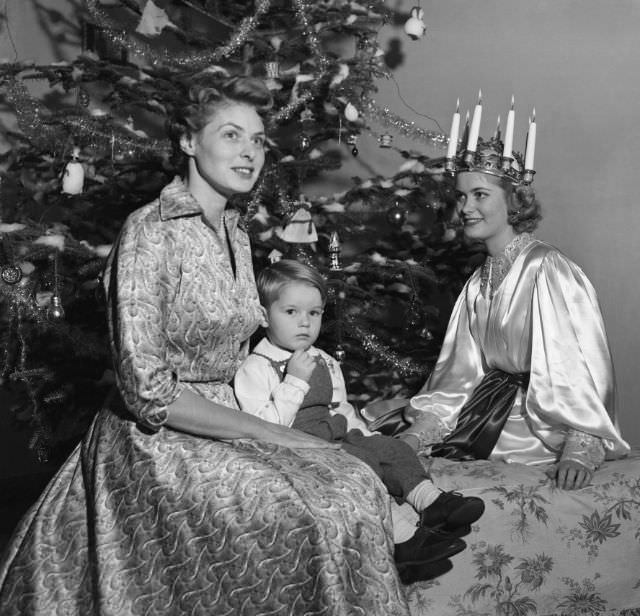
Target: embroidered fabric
<point>495,269</point>
<point>583,448</point>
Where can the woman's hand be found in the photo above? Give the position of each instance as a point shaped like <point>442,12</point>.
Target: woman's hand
<point>570,475</point>
<point>290,437</point>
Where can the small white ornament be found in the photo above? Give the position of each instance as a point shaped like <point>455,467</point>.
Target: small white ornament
<point>350,112</point>
<point>73,177</point>
<point>153,20</point>
<point>300,228</point>
<point>414,26</point>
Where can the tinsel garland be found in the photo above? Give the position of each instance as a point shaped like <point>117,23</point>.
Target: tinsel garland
<point>192,59</point>
<point>93,131</point>
<point>384,117</point>
<point>370,343</point>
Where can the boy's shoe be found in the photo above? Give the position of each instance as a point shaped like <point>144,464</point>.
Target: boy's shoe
<point>427,546</point>
<point>451,510</point>
<point>425,571</point>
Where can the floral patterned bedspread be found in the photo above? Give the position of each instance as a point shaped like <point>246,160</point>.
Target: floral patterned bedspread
<point>540,550</point>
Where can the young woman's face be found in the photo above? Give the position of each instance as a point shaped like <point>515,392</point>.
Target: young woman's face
<point>228,151</point>
<point>293,321</point>
<point>483,208</point>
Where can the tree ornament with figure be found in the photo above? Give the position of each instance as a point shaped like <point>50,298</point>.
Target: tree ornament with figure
<point>102,124</point>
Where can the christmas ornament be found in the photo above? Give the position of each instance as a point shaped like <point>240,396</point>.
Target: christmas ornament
<point>426,334</point>
<point>272,70</point>
<point>396,215</point>
<point>304,142</point>
<point>153,21</point>
<point>414,26</point>
<point>300,228</point>
<point>385,140</point>
<point>351,113</point>
<point>55,312</point>
<point>339,353</point>
<point>73,176</point>
<point>334,252</point>
<point>412,318</point>
<point>352,140</point>
<point>83,99</point>
<point>11,274</point>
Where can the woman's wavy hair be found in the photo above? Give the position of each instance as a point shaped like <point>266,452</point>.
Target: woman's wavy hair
<point>202,95</point>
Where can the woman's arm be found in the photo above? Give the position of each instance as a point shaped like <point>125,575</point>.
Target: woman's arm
<point>194,414</point>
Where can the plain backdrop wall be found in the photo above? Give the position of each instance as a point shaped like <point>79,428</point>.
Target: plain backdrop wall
<point>576,61</point>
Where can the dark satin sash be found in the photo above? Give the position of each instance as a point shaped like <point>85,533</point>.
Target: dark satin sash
<point>482,418</point>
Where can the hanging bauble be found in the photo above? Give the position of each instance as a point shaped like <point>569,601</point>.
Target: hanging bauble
<point>414,26</point>
<point>352,140</point>
<point>385,140</point>
<point>412,318</point>
<point>339,353</point>
<point>11,274</point>
<point>73,176</point>
<point>304,142</point>
<point>425,333</point>
<point>55,312</point>
<point>351,113</point>
<point>83,98</point>
<point>272,70</point>
<point>397,215</point>
<point>355,151</point>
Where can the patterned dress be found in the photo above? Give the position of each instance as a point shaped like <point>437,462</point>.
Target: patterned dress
<point>142,519</point>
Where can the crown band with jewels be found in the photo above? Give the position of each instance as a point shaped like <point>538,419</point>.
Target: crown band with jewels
<point>493,156</point>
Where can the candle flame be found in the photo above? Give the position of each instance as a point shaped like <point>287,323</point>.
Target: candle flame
<point>479,97</point>
<point>534,114</point>
<point>458,106</point>
<point>513,101</point>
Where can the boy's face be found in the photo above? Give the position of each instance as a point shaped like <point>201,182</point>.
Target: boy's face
<point>293,321</point>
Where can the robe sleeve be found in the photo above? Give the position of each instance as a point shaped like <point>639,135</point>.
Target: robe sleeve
<point>571,376</point>
<point>137,290</point>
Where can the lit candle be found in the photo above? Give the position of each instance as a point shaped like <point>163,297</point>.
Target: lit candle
<point>497,135</point>
<point>474,131</point>
<point>531,143</point>
<point>453,133</point>
<point>508,133</point>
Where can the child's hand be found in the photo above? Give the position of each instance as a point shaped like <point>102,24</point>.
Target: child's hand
<point>301,365</point>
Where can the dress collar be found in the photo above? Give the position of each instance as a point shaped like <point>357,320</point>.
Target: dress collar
<point>176,202</point>
<point>268,349</point>
<point>495,268</point>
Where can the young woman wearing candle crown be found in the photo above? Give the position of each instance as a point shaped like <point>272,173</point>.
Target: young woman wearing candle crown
<point>525,373</point>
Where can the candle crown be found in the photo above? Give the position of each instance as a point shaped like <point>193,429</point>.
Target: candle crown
<point>488,158</point>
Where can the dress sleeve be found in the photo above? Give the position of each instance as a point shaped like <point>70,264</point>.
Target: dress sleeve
<point>457,372</point>
<point>571,376</point>
<point>138,288</point>
<point>260,392</point>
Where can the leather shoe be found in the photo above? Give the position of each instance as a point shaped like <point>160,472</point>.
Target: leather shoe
<point>452,510</point>
<point>425,571</point>
<point>427,546</point>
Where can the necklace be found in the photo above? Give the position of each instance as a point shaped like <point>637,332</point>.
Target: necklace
<point>495,269</point>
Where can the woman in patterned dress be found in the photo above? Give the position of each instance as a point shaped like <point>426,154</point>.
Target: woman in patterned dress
<point>525,373</point>
<point>175,502</point>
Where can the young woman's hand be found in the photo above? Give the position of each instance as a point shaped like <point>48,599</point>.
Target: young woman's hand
<point>570,475</point>
<point>301,365</point>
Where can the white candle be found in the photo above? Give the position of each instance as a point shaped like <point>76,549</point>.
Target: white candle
<point>531,144</point>
<point>474,131</point>
<point>507,152</point>
<point>453,133</point>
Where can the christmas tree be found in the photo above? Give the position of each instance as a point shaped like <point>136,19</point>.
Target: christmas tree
<point>94,148</point>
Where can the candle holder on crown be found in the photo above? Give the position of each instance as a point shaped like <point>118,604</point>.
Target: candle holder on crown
<point>527,177</point>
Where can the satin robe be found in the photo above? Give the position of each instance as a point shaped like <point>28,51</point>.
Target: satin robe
<point>544,319</point>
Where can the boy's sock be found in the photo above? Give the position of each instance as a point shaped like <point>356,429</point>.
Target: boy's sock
<point>405,521</point>
<point>423,495</point>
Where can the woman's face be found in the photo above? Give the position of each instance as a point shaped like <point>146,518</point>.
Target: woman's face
<point>483,208</point>
<point>228,152</point>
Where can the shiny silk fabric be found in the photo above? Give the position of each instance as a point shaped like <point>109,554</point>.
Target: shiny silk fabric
<point>543,319</point>
<point>142,519</point>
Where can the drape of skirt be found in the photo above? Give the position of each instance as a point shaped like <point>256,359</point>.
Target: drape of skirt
<point>166,523</point>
